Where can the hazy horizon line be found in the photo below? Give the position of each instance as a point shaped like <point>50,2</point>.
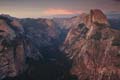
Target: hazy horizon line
<point>55,16</point>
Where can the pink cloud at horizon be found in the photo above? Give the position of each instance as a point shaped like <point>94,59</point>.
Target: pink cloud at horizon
<point>52,11</point>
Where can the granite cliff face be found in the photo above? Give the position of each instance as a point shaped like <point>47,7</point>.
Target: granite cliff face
<point>29,50</point>
<point>11,49</point>
<point>16,48</point>
<point>94,48</point>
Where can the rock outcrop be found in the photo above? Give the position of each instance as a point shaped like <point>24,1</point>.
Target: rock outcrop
<point>94,48</point>
<point>8,56</point>
<point>29,50</point>
<point>14,48</point>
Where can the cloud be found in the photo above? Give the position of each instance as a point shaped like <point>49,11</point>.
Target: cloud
<point>52,11</point>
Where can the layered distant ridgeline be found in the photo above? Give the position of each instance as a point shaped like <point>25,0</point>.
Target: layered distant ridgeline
<point>84,47</point>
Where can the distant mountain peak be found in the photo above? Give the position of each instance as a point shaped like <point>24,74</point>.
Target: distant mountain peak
<point>94,48</point>
<point>95,16</point>
<point>98,16</point>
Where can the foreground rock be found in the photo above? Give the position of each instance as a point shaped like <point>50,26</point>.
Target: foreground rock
<point>8,57</point>
<point>94,48</point>
<point>14,48</point>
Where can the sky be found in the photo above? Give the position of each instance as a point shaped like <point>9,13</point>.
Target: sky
<point>47,8</point>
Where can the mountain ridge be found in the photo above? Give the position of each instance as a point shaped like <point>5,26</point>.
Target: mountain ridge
<point>93,46</point>
<point>30,48</point>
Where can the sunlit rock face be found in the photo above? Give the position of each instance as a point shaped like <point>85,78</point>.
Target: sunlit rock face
<point>94,48</point>
<point>98,16</point>
<point>6,31</point>
<point>15,48</point>
<point>95,16</point>
<point>11,52</point>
